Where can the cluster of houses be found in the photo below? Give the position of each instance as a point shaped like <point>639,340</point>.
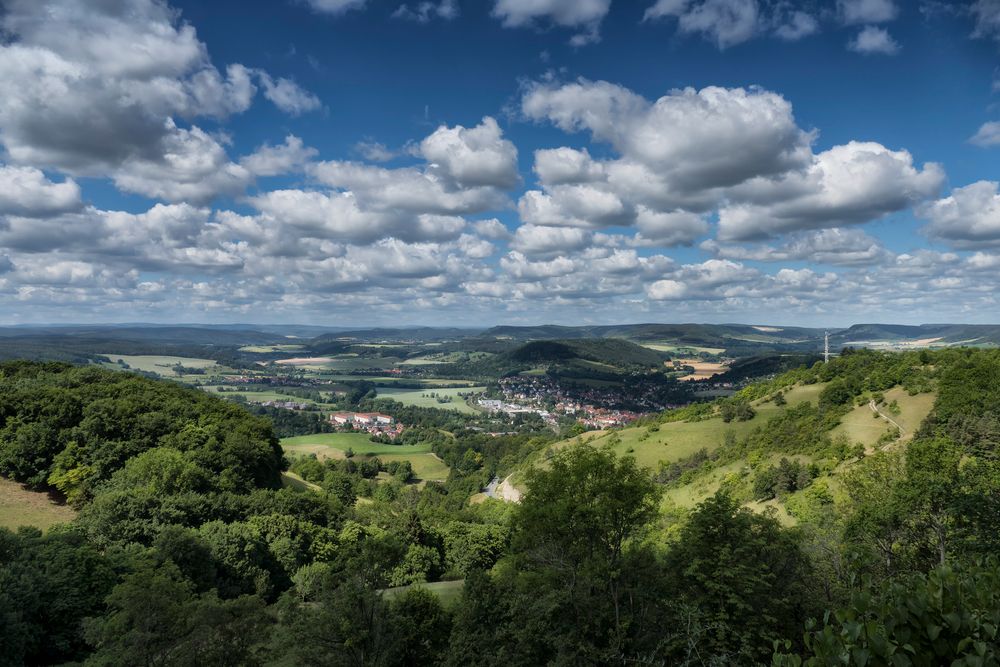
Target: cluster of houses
<point>600,418</point>
<point>370,422</point>
<point>493,405</point>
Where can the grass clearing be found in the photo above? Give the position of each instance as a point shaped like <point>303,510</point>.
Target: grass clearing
<point>361,443</point>
<point>422,398</point>
<point>427,467</point>
<point>426,464</point>
<point>22,507</point>
<point>448,592</point>
<point>862,425</point>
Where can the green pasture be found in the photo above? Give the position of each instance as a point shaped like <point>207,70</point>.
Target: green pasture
<point>426,465</point>
<point>862,425</point>
<point>21,507</point>
<point>422,399</point>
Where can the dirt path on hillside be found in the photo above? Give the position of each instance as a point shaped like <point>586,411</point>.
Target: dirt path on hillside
<point>874,408</point>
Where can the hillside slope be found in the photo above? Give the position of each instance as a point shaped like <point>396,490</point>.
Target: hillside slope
<point>820,420</point>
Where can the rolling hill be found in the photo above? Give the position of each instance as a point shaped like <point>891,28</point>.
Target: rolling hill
<point>821,420</point>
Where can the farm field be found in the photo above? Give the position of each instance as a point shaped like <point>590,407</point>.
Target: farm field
<point>161,365</point>
<point>681,349</point>
<point>21,507</point>
<point>422,399</point>
<point>264,349</point>
<point>702,369</point>
<point>345,362</point>
<point>448,358</point>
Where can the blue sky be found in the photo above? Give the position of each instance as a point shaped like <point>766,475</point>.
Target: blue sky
<point>476,162</point>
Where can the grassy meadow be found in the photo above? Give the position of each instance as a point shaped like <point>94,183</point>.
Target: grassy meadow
<point>21,507</point>
<point>863,425</point>
<point>426,464</point>
<point>420,397</point>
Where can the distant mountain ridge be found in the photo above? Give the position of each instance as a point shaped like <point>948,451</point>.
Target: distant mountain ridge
<point>734,340</point>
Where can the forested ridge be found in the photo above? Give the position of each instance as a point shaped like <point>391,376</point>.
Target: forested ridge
<point>187,550</point>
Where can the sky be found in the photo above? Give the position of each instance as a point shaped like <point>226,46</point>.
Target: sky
<point>481,162</point>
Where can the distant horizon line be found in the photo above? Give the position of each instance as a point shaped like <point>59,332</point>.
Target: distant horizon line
<point>368,327</point>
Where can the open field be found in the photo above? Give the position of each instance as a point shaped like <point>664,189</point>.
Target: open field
<point>21,507</point>
<point>426,464</point>
<point>427,467</point>
<point>361,443</point>
<point>257,396</point>
<point>340,362</point>
<point>681,349</point>
<point>379,380</point>
<point>446,358</point>
<point>263,349</point>
<point>422,399</point>
<point>305,361</point>
<point>447,591</point>
<point>162,365</point>
<point>702,369</point>
<point>862,425</point>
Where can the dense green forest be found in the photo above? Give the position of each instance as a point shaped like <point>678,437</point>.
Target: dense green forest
<point>187,549</point>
